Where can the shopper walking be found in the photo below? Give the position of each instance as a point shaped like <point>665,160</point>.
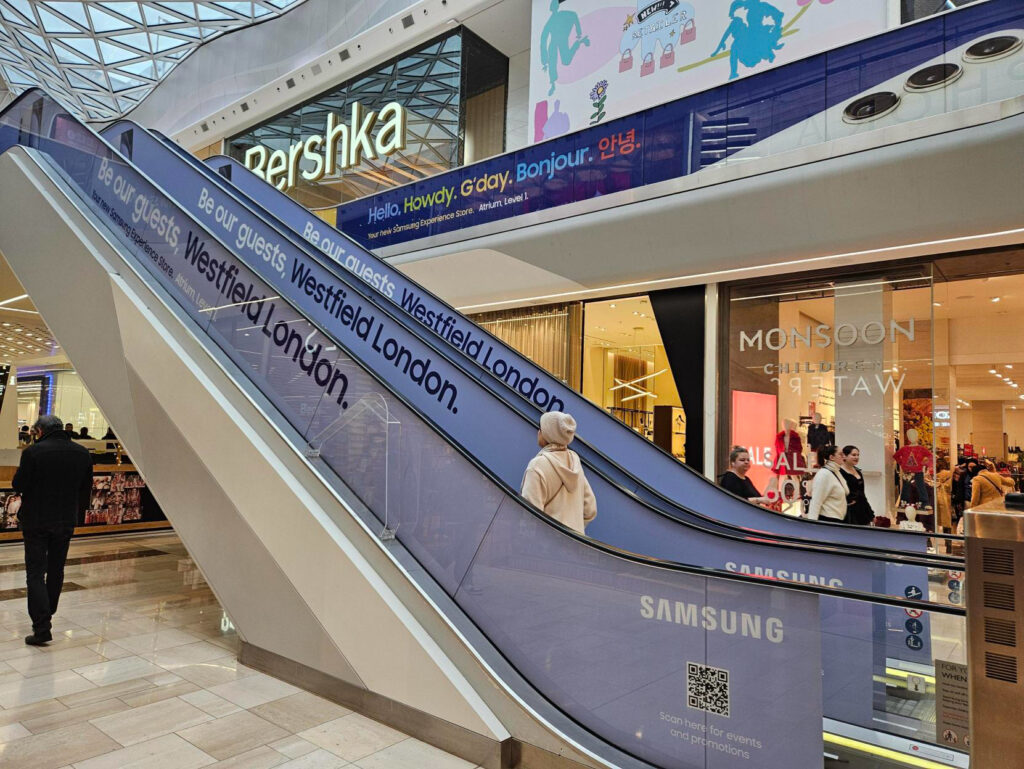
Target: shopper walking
<point>988,487</point>
<point>943,483</point>
<point>554,480</point>
<point>858,509</point>
<point>828,489</point>
<point>54,479</point>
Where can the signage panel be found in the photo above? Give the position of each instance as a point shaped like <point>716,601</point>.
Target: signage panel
<point>802,103</point>
<point>596,60</point>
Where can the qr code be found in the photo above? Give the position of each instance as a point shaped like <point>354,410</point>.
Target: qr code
<point>707,689</point>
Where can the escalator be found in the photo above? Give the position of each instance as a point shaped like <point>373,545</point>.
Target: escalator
<point>635,525</point>
<point>638,660</point>
<point>513,420</point>
<point>603,441</point>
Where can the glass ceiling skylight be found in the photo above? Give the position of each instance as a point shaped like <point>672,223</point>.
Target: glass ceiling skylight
<point>102,58</point>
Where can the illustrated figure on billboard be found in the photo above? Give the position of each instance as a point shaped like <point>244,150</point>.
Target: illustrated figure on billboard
<point>664,22</point>
<point>755,29</point>
<point>554,41</point>
<point>557,122</point>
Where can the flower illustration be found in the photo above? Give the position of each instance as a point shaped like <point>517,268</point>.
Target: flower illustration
<point>598,91</point>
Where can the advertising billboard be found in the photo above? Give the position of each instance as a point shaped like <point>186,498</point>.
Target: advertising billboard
<point>595,60</point>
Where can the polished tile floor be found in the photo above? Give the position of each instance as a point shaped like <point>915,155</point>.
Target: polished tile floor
<point>142,673</point>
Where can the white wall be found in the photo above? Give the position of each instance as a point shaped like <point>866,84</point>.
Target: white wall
<point>517,118</point>
<point>231,66</point>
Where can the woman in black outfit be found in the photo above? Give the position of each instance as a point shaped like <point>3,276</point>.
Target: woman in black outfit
<point>858,509</point>
<point>735,478</point>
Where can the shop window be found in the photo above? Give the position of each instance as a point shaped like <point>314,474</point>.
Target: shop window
<point>626,370</point>
<point>549,336</point>
<point>855,356</point>
<point>920,9</point>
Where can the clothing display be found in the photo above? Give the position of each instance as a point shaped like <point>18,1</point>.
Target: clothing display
<point>914,482</point>
<point>913,458</point>
<point>858,509</point>
<point>741,487</point>
<point>789,454</point>
<point>819,435</point>
<point>828,494</point>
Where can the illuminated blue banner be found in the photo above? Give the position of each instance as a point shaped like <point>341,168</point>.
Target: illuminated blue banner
<point>854,89</point>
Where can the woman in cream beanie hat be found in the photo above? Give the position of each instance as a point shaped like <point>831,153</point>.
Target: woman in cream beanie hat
<point>554,480</point>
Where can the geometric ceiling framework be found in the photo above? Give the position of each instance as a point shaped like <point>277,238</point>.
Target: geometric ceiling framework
<point>426,81</point>
<point>100,59</point>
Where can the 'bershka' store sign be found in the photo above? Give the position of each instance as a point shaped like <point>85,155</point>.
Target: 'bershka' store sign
<point>340,146</point>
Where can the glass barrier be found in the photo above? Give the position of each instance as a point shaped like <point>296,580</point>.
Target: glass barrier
<point>672,666</point>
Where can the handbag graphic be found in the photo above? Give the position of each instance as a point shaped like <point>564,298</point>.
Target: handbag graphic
<point>626,62</point>
<point>647,67</point>
<point>689,32</point>
<point>668,56</point>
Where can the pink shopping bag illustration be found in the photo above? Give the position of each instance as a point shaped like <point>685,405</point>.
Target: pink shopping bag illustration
<point>689,32</point>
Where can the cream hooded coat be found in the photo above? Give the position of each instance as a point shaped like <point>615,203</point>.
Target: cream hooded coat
<point>554,482</point>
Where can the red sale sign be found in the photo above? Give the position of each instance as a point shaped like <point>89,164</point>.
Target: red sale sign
<point>754,426</point>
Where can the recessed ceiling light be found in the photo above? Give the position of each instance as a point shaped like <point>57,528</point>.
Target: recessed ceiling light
<point>1009,365</point>
<point>995,298</point>
<point>937,304</point>
<point>612,306</point>
<point>991,371</point>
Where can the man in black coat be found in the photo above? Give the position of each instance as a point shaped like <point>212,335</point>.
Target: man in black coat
<point>54,479</point>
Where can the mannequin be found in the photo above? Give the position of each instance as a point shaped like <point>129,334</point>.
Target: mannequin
<point>818,435</point>
<point>913,459</point>
<point>789,459</point>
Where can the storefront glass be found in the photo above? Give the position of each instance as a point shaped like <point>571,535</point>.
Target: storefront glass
<point>626,370</point>
<point>549,336</point>
<point>453,91</point>
<point>917,367</point>
<point>854,356</point>
<point>611,352</point>
<point>59,392</point>
<point>912,10</point>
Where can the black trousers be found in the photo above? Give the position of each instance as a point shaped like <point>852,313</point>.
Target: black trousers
<point>46,550</point>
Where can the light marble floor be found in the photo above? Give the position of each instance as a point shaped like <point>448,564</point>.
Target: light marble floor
<point>142,673</point>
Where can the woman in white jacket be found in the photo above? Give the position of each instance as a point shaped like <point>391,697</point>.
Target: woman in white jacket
<point>554,481</point>
<point>828,489</point>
